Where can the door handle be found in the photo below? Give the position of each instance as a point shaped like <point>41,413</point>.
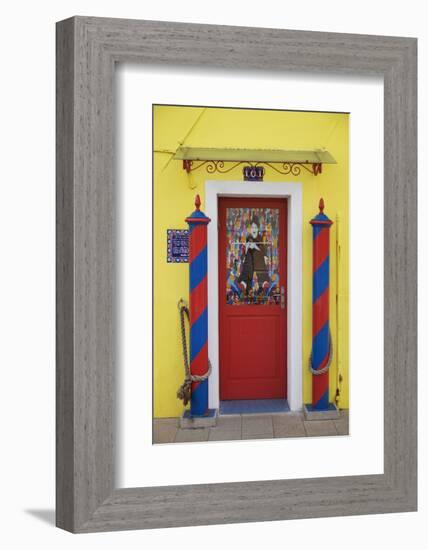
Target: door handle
<point>282,297</point>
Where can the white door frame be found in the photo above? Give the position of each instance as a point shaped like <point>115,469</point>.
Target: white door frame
<point>292,192</point>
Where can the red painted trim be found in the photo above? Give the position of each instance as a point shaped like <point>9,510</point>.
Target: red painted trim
<point>321,222</point>
<point>201,221</point>
<point>317,168</point>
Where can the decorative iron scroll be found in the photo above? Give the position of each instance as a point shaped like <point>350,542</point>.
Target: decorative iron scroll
<point>294,168</point>
<point>284,168</point>
<point>211,166</point>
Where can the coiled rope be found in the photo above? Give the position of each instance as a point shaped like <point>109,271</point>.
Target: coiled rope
<point>330,359</point>
<point>184,392</point>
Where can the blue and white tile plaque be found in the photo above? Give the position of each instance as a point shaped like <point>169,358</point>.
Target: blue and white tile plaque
<point>177,246</point>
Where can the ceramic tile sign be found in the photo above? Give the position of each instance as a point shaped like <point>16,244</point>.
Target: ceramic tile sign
<point>177,246</point>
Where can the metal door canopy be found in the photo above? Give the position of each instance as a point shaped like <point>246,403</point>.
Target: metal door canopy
<point>315,156</point>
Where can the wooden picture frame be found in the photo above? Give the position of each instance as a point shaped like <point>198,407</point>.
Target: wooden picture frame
<point>87,50</point>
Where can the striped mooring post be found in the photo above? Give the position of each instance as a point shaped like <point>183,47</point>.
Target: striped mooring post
<point>198,306</point>
<point>320,308</point>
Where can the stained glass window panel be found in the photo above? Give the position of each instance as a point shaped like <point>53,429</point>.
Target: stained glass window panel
<point>252,256</point>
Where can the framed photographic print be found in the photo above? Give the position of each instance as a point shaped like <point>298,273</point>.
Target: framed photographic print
<point>251,288</point>
<point>236,274</point>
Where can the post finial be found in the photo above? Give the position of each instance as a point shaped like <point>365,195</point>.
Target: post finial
<point>197,202</point>
<point>321,205</point>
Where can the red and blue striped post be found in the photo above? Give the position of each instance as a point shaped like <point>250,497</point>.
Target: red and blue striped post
<point>320,308</point>
<point>198,302</point>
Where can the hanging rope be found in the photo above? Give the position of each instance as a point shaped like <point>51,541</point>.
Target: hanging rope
<point>330,359</point>
<point>184,392</point>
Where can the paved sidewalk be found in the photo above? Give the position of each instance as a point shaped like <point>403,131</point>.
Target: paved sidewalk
<point>251,426</point>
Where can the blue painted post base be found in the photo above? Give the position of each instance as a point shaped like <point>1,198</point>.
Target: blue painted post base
<point>207,420</point>
<point>330,413</point>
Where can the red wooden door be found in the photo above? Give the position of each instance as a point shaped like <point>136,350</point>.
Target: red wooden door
<point>252,298</point>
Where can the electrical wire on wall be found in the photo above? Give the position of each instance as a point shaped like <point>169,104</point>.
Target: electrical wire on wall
<point>339,377</point>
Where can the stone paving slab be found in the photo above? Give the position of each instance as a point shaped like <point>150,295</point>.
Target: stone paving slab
<point>217,434</point>
<point>189,435</point>
<point>228,428</point>
<point>230,423</point>
<point>342,425</point>
<point>165,430</point>
<point>267,435</point>
<point>254,424</point>
<point>251,426</point>
<point>288,425</point>
<point>318,428</point>
<point>172,422</point>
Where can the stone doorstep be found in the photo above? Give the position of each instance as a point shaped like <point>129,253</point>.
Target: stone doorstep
<point>194,422</point>
<point>331,414</point>
<point>275,413</point>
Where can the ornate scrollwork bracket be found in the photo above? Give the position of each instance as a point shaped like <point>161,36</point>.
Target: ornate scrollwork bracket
<point>284,168</point>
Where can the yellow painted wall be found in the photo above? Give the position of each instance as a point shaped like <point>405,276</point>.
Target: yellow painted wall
<point>174,192</point>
